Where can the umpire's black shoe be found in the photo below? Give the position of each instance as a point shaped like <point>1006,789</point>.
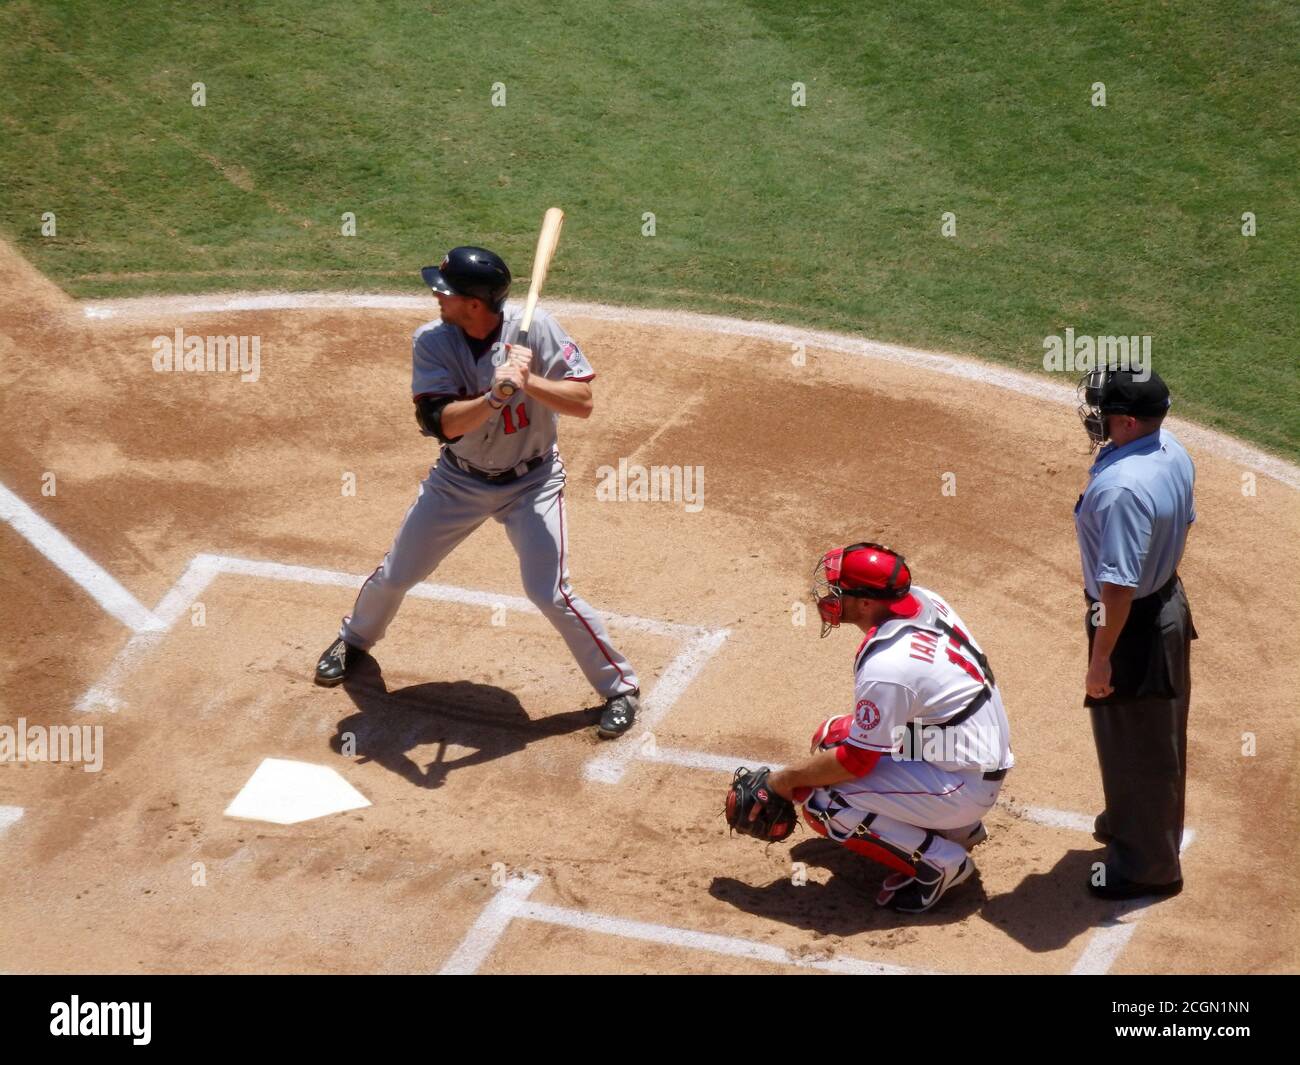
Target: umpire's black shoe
<point>619,714</point>
<point>1101,828</point>
<point>1117,889</point>
<point>332,667</point>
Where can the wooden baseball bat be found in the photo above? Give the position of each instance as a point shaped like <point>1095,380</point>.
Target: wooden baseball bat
<point>547,241</point>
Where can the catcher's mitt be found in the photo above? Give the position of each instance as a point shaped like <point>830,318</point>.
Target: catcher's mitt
<point>754,809</point>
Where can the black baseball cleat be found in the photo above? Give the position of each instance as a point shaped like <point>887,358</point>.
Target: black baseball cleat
<point>619,714</point>
<point>1120,889</point>
<point>332,667</point>
<point>919,893</point>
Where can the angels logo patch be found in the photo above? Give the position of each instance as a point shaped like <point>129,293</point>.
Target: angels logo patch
<point>867,714</point>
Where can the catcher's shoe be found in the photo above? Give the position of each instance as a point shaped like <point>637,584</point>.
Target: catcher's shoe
<point>921,892</point>
<point>619,714</point>
<point>892,883</point>
<point>332,667</point>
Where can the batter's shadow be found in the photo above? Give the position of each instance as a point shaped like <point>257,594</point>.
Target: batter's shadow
<point>388,725</point>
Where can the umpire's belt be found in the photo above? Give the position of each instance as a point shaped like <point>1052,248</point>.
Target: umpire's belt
<point>504,477</point>
<point>1149,659</point>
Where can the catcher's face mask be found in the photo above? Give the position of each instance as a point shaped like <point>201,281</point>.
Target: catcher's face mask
<point>1089,392</point>
<point>826,591</point>
<point>884,577</point>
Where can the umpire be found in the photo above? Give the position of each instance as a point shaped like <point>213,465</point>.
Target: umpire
<point>1132,522</point>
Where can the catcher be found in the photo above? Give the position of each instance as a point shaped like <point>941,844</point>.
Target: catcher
<point>907,777</point>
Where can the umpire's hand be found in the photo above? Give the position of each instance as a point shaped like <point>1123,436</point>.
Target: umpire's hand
<point>1097,682</point>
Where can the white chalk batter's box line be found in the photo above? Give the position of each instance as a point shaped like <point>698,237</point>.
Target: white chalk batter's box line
<point>698,644</point>
<point>511,903</point>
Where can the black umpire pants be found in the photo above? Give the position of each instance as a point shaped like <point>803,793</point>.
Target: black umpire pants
<point>1141,735</point>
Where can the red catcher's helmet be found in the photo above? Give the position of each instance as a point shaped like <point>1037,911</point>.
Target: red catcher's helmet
<point>864,571</point>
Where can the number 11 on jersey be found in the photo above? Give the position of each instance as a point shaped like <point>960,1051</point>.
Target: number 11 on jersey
<point>522,414</point>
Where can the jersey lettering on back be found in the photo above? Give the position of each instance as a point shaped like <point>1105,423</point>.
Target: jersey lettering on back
<point>924,645</point>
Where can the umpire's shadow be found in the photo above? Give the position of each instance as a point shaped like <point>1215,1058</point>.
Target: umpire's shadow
<point>388,725</point>
<point>1047,911</point>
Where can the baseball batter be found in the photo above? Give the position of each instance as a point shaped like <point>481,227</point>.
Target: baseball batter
<point>908,776</point>
<point>494,406</point>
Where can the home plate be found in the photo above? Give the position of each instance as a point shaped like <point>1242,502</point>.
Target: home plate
<point>285,792</point>
<point>9,815</point>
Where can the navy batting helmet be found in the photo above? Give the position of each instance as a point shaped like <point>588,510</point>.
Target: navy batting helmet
<point>473,272</point>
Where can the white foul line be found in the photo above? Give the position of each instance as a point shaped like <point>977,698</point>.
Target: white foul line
<point>510,903</point>
<point>75,563</point>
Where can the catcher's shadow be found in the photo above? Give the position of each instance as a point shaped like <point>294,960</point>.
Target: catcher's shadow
<point>389,725</point>
<point>1045,912</point>
<point>845,904</point>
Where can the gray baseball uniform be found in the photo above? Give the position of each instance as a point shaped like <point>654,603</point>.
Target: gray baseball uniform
<point>454,500</point>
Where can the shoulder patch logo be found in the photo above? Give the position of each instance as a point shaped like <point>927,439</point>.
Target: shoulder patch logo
<point>867,714</point>
<point>570,353</point>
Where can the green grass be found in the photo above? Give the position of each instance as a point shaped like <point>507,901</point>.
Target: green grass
<point>1116,220</point>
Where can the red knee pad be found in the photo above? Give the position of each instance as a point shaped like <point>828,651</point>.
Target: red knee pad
<point>877,853</point>
<point>864,846</point>
<point>814,823</point>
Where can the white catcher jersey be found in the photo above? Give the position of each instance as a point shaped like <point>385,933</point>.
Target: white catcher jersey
<point>443,365</point>
<point>910,670</point>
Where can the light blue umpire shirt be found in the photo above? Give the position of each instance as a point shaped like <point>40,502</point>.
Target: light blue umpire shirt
<point>1133,517</point>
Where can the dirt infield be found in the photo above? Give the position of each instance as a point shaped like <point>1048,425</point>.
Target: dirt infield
<point>502,836</point>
